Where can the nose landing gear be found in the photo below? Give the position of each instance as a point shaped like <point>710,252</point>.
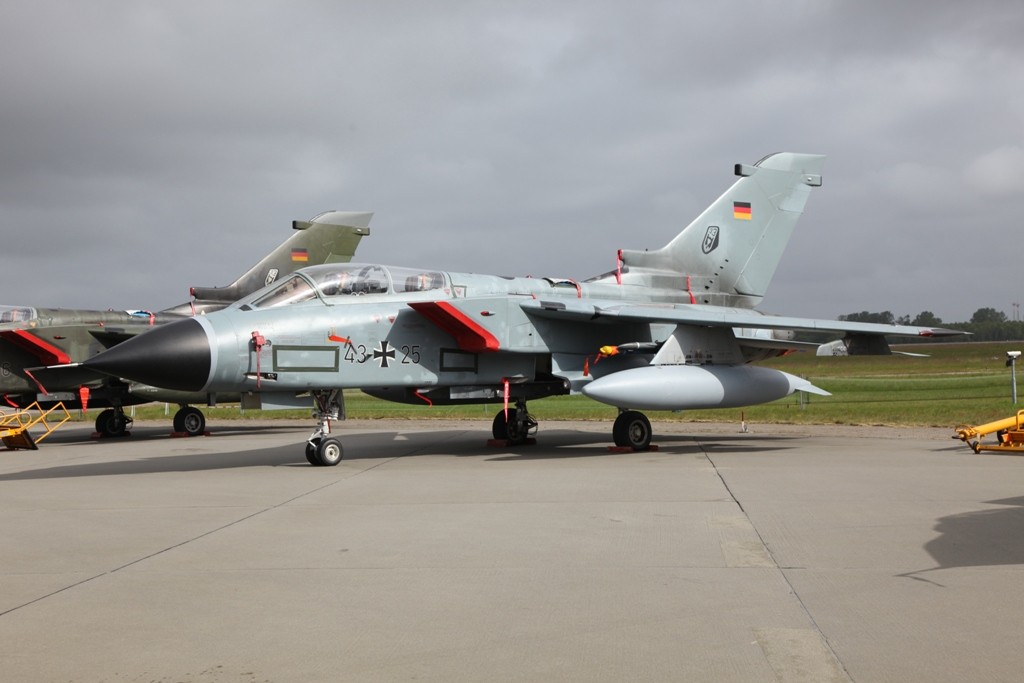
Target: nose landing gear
<point>322,449</point>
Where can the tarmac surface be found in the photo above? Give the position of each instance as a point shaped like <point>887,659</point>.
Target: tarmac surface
<point>782,554</point>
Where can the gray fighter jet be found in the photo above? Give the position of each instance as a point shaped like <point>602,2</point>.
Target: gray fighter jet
<point>30,336</point>
<point>669,329</point>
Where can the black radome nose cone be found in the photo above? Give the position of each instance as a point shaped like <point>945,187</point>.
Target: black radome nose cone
<point>173,356</point>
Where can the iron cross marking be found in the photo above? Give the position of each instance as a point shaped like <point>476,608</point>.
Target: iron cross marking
<point>383,353</point>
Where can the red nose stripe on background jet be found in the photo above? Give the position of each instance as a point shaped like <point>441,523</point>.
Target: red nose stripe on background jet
<point>174,356</point>
<point>47,353</point>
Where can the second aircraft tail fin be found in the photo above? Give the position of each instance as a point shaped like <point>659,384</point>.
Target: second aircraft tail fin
<point>330,237</point>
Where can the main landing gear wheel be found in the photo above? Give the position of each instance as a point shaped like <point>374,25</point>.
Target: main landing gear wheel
<point>190,420</point>
<point>499,428</point>
<point>632,429</point>
<point>515,429</point>
<point>324,452</point>
<point>111,423</point>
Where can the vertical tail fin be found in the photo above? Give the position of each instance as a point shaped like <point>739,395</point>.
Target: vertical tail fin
<point>730,252</point>
<point>330,237</point>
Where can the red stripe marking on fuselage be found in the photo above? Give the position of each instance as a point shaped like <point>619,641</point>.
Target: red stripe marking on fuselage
<point>469,335</point>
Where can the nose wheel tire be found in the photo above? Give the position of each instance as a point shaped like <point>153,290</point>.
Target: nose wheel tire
<point>311,456</point>
<point>112,423</point>
<point>632,429</point>
<point>324,452</point>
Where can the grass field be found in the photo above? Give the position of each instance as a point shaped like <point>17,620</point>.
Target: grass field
<point>957,384</point>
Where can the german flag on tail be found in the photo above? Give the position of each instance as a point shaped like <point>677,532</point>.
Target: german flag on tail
<point>300,255</point>
<point>741,211</point>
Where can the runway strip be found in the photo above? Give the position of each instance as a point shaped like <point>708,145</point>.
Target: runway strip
<point>787,553</point>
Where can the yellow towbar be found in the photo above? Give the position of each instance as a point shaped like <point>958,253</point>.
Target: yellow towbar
<point>1009,435</point>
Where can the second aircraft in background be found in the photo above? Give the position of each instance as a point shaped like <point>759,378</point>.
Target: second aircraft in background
<point>30,337</point>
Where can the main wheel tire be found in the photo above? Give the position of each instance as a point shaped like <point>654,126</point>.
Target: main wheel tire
<point>330,452</point>
<point>632,429</point>
<point>112,423</point>
<point>499,428</point>
<point>511,430</point>
<point>102,419</point>
<point>190,420</point>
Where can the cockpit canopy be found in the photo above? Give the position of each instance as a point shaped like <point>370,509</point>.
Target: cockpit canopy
<point>333,280</point>
<point>16,314</point>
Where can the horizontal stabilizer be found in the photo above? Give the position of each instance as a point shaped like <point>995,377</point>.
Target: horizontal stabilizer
<point>67,375</point>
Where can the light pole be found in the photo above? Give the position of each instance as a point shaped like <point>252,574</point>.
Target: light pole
<point>1011,362</point>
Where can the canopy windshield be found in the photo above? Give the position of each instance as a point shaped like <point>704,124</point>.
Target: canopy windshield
<point>16,314</point>
<point>348,279</point>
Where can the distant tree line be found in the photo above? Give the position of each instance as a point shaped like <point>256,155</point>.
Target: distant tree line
<point>987,324</point>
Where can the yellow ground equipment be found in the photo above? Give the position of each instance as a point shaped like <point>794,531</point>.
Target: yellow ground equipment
<point>14,426</point>
<point>1009,435</point>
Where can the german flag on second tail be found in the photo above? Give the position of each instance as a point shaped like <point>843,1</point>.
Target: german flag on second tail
<point>741,211</point>
<point>300,255</point>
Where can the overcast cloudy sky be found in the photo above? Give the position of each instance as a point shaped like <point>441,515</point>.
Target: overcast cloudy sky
<point>149,146</point>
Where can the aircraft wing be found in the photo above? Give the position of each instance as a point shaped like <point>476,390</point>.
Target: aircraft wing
<point>582,310</point>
